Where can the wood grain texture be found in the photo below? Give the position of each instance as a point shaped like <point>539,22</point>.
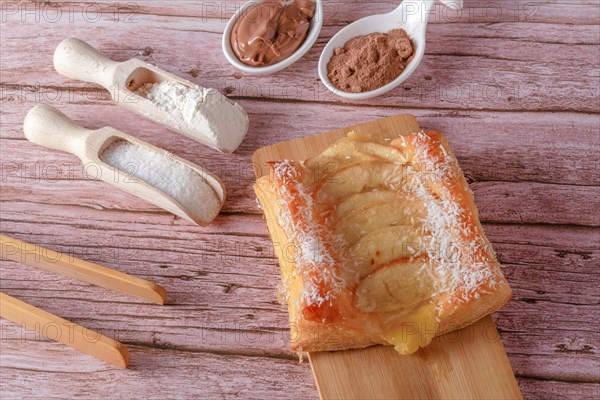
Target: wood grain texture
<point>528,67</point>
<point>465,364</point>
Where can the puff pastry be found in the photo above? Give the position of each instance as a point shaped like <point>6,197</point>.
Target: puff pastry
<point>379,242</point>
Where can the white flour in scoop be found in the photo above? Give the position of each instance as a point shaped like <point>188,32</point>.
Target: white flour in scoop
<point>215,120</point>
<point>158,169</point>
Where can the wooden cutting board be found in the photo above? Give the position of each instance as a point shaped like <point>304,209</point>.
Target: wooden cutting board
<point>466,364</point>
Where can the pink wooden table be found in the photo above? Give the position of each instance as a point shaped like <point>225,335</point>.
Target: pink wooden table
<point>515,86</point>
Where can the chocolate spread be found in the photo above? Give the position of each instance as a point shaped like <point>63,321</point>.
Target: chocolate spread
<point>271,31</point>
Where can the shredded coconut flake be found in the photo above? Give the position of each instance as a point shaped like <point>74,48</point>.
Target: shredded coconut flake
<point>456,253</point>
<point>459,258</point>
<point>314,260</point>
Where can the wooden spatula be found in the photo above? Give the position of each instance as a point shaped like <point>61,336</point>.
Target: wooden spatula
<point>48,127</point>
<point>467,364</point>
<point>76,59</point>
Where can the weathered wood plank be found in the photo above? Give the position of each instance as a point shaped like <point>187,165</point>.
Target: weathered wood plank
<point>535,203</point>
<point>553,390</point>
<point>503,202</point>
<point>561,350</point>
<point>490,75</point>
<point>65,373</point>
<point>561,148</point>
<point>490,67</point>
<point>554,313</point>
<point>216,306</point>
<point>489,11</point>
<point>482,149</point>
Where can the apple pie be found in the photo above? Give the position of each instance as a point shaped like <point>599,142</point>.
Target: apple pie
<point>379,242</point>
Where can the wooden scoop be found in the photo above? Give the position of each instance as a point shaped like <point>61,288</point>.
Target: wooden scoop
<point>223,122</point>
<point>48,127</point>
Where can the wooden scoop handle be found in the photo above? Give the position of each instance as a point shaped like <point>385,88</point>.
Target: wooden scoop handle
<point>48,127</point>
<point>76,59</point>
<point>63,331</point>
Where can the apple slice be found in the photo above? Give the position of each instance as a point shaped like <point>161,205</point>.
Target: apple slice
<point>349,151</point>
<point>396,286</point>
<point>362,177</point>
<point>381,151</point>
<point>383,246</point>
<point>373,216</point>
<point>339,156</point>
<point>349,146</point>
<point>360,199</point>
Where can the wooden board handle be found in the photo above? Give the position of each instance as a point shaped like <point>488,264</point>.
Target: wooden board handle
<point>67,265</point>
<point>48,127</point>
<point>76,59</point>
<point>63,331</point>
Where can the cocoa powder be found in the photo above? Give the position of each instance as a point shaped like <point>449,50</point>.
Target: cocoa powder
<point>369,62</point>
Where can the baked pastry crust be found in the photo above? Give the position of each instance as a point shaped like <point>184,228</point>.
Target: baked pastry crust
<point>379,242</point>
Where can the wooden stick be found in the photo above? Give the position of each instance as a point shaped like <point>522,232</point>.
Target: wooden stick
<point>67,265</point>
<point>63,331</point>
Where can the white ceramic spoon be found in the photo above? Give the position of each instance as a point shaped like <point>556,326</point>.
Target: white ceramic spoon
<point>411,15</point>
<point>313,33</point>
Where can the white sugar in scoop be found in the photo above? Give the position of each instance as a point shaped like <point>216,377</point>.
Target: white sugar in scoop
<point>148,172</point>
<point>159,170</point>
<point>202,114</point>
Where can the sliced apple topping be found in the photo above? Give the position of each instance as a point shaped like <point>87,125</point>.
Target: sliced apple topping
<point>360,199</point>
<point>398,286</point>
<point>370,217</point>
<point>383,246</point>
<point>362,177</point>
<point>349,151</point>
